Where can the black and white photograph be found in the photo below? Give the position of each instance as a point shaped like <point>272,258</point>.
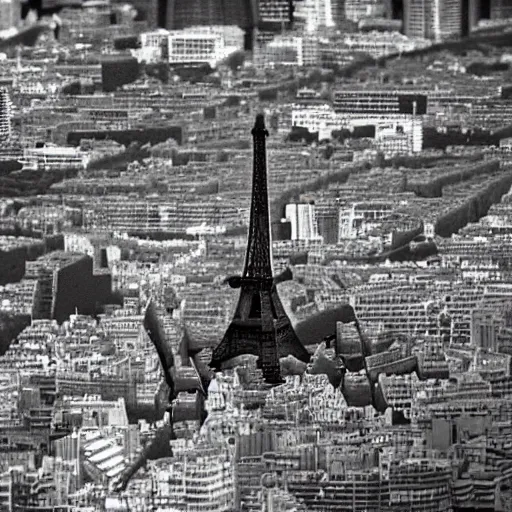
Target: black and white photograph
<point>255,255</point>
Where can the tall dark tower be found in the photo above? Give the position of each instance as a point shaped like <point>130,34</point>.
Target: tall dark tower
<point>186,13</point>
<point>260,325</point>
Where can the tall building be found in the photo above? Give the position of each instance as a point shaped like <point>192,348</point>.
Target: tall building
<point>338,11</point>
<point>316,14</point>
<point>10,14</point>
<point>472,11</point>
<point>186,13</point>
<point>5,111</point>
<point>303,221</point>
<point>437,20</point>
<point>357,10</point>
<point>500,9</point>
<point>274,12</point>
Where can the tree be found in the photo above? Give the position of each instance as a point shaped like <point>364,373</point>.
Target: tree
<point>235,61</point>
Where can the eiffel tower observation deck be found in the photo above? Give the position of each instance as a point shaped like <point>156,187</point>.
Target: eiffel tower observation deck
<point>260,325</point>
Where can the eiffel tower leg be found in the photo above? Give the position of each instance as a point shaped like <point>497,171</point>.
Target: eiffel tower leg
<point>269,361</point>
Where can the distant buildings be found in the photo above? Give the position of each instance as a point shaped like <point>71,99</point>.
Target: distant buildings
<point>358,219</point>
<point>126,215</point>
<point>5,110</point>
<point>193,45</point>
<point>289,50</point>
<point>154,46</point>
<point>379,44</point>
<point>275,11</point>
<point>315,14</point>
<point>67,283</point>
<point>187,13</point>
<point>500,9</point>
<point>51,157</point>
<point>316,118</point>
<point>433,19</point>
<point>176,479</point>
<point>399,134</point>
<point>10,14</point>
<point>357,10</point>
<point>379,101</point>
<point>392,131</point>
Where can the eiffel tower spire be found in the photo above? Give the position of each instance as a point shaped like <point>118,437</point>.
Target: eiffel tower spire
<point>260,325</point>
<point>258,262</point>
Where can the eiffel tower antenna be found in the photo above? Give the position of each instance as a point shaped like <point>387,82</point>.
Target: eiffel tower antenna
<point>260,325</point>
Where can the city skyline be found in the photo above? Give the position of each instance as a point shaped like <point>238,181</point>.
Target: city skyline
<point>255,257</point>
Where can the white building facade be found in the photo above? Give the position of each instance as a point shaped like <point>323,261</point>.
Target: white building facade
<point>315,14</point>
<point>194,45</point>
<point>316,118</point>
<point>303,221</point>
<point>153,46</point>
<point>290,50</point>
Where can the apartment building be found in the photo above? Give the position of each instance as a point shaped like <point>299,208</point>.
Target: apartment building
<point>275,11</point>
<point>153,46</point>
<point>176,480</point>
<point>379,101</point>
<point>380,44</point>
<point>189,47</point>
<point>136,216</point>
<point>5,112</point>
<point>198,45</point>
<point>399,136</point>
<point>54,157</point>
<point>359,219</point>
<point>316,118</point>
<point>289,50</point>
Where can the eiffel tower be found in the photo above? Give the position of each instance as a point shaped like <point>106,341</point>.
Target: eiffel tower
<point>260,325</point>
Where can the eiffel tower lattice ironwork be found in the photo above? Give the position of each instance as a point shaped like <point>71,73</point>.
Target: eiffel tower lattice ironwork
<point>260,325</point>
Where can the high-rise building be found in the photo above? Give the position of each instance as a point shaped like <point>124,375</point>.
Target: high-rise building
<point>338,11</point>
<point>187,13</point>
<point>303,221</point>
<point>437,20</point>
<point>10,14</point>
<point>147,10</point>
<point>275,11</point>
<point>357,10</point>
<point>472,11</point>
<point>5,114</point>
<point>500,9</point>
<point>315,13</point>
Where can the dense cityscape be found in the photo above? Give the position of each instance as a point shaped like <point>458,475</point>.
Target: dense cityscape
<point>256,256</point>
